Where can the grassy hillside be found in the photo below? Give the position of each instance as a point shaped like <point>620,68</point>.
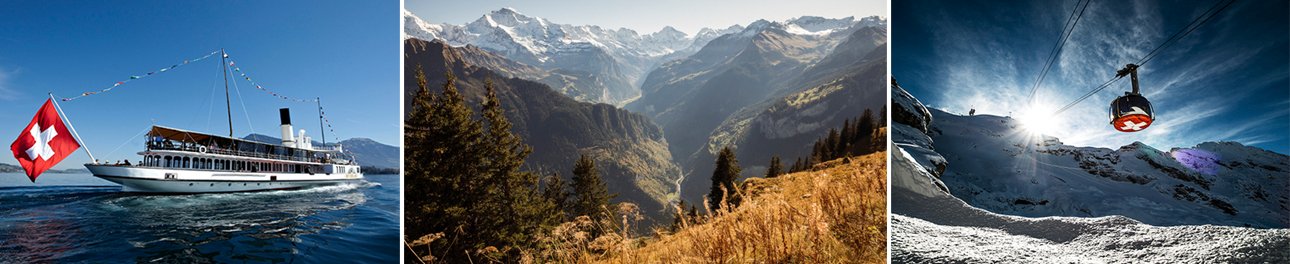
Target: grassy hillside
<point>834,213</point>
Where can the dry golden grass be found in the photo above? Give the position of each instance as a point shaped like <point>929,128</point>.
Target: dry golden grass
<point>835,213</point>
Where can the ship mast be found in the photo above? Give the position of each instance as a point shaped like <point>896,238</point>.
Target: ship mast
<point>227,106</point>
<point>320,121</point>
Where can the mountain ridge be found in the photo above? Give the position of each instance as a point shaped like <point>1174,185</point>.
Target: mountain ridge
<point>991,163</point>
<point>629,148</point>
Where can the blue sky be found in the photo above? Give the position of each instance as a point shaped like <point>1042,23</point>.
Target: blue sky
<point>648,16</point>
<point>1227,81</point>
<point>345,52</point>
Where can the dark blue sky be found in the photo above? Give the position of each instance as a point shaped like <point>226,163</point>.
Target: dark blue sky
<point>1227,81</point>
<point>345,52</point>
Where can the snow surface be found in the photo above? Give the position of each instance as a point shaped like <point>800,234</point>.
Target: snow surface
<point>994,164</point>
<point>930,225</point>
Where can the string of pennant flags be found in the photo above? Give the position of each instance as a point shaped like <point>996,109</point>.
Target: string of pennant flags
<point>233,65</point>
<point>327,121</point>
<point>136,77</point>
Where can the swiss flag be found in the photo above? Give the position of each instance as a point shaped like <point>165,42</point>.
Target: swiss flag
<point>44,142</point>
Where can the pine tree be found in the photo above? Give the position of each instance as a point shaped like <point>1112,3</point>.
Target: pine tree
<point>447,142</point>
<point>464,181</point>
<point>590,195</point>
<point>524,212</point>
<point>723,180</point>
<point>798,166</point>
<point>866,127</point>
<point>556,192</point>
<point>882,117</point>
<point>775,168</point>
<point>845,138</point>
<point>831,145</point>
<point>817,154</point>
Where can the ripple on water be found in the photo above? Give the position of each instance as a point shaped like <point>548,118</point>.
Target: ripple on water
<point>75,224</point>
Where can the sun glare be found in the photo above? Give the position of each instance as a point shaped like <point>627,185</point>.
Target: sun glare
<point>1038,120</point>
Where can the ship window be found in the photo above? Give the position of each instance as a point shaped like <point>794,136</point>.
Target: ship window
<point>187,162</point>
<point>167,164</point>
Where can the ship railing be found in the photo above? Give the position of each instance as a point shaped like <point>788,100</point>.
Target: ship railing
<point>235,153</point>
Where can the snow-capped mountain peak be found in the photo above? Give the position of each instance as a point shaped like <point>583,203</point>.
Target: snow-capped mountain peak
<point>814,25</point>
<point>669,32</point>
<point>509,17</point>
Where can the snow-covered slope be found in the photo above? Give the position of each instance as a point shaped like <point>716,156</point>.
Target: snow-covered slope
<point>928,224</point>
<point>994,164</point>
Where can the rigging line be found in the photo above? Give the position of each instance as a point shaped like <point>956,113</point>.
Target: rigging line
<point>1198,23</point>
<point>1067,29</point>
<point>118,147</point>
<point>210,100</point>
<point>246,113</point>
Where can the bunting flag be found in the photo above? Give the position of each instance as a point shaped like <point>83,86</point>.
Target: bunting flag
<point>231,65</point>
<point>238,70</point>
<point>240,73</point>
<point>136,77</point>
<point>327,121</point>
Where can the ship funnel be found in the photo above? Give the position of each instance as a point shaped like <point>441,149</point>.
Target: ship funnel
<point>303,141</point>
<point>287,138</point>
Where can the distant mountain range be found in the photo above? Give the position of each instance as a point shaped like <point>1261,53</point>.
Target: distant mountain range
<point>587,63</point>
<point>9,168</point>
<point>768,88</point>
<point>367,152</point>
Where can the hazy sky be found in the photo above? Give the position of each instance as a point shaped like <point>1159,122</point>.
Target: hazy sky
<point>1227,81</point>
<point>343,51</point>
<point>648,16</point>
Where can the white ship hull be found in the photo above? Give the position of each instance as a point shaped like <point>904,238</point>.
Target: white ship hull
<point>172,180</point>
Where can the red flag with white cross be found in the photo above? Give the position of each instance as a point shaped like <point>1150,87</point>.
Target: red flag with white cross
<point>44,142</point>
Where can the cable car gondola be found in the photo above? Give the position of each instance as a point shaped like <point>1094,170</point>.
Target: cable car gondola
<point>1131,112</point>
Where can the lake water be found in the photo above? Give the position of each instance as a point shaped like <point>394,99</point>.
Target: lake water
<point>80,218</point>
